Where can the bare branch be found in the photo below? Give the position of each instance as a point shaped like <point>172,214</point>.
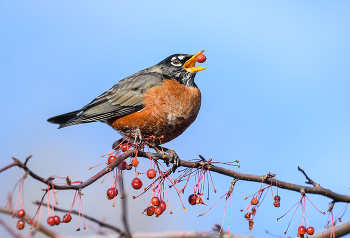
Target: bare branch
<point>14,163</point>
<point>124,208</point>
<point>228,172</point>
<point>9,230</point>
<point>255,178</point>
<point>340,230</point>
<point>310,181</point>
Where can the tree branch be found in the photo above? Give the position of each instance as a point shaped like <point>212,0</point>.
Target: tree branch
<point>339,230</point>
<point>202,164</point>
<point>254,178</point>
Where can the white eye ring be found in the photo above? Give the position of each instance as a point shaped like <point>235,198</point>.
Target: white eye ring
<point>175,61</point>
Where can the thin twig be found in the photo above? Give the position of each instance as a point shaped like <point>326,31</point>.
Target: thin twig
<point>14,163</point>
<point>9,230</point>
<point>124,208</point>
<point>309,181</point>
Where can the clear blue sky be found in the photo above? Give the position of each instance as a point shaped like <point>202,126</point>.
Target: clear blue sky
<point>275,96</point>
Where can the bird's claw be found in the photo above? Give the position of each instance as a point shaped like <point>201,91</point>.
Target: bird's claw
<point>175,160</point>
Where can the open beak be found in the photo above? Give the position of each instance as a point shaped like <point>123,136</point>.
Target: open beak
<point>190,64</point>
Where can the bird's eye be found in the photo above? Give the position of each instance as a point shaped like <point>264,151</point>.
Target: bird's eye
<point>176,62</point>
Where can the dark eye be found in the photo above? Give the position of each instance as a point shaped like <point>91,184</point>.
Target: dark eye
<point>176,62</point>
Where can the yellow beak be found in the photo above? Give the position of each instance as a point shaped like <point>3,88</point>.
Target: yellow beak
<point>190,64</point>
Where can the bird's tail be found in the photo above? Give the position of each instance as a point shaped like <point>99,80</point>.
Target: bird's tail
<point>64,119</point>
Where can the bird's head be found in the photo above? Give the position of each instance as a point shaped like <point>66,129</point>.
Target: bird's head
<point>181,67</point>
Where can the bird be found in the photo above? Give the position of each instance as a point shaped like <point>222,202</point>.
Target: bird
<point>161,101</point>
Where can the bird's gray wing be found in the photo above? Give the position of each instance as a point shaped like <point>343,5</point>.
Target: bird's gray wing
<point>122,99</point>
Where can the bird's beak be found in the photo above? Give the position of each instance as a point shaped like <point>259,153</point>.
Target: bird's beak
<point>190,64</point>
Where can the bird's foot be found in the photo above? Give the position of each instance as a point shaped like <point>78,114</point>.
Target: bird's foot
<point>175,159</point>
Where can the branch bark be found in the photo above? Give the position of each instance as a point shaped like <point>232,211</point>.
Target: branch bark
<point>339,230</point>
<point>202,164</point>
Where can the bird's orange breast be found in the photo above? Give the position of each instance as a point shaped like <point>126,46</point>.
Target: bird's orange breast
<point>168,111</point>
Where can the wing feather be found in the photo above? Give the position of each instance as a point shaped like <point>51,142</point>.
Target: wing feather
<point>122,99</point>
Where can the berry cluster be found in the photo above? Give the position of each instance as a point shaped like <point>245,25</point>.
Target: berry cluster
<point>112,193</point>
<point>302,230</point>
<point>276,201</point>
<point>20,213</point>
<point>20,224</point>
<point>158,207</point>
<point>253,206</point>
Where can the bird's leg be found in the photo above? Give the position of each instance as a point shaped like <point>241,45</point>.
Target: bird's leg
<point>137,136</point>
<point>154,146</point>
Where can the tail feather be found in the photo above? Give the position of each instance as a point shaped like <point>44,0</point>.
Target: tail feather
<point>64,118</point>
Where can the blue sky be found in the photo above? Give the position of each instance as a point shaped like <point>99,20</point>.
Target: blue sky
<point>274,96</point>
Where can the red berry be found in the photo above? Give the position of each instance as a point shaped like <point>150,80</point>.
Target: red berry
<point>111,159</point>
<point>201,58</point>
<point>124,147</point>
<point>135,162</point>
<point>129,166</point>
<point>301,230</point>
<point>112,193</point>
<point>277,198</point>
<point>158,210</point>
<point>51,221</point>
<point>155,201</point>
<point>57,220</point>
<point>122,165</point>
<point>136,183</point>
<point>192,199</point>
<point>310,230</point>
<point>20,224</point>
<point>163,205</point>
<point>67,218</point>
<point>150,210</point>
<point>151,173</point>
<point>21,213</point>
<point>254,201</point>
<point>253,211</point>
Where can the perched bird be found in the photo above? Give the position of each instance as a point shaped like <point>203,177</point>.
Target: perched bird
<point>160,101</point>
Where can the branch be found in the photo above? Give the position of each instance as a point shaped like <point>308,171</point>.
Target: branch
<point>88,182</point>
<point>310,181</point>
<point>202,164</point>
<point>14,163</point>
<point>124,207</point>
<point>340,230</point>
<point>9,230</point>
<point>254,178</point>
<point>209,166</point>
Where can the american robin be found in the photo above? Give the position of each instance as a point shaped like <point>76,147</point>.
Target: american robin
<point>160,101</point>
